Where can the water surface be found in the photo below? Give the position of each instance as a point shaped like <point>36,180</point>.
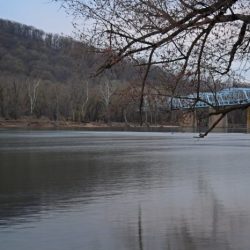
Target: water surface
<point>70,190</point>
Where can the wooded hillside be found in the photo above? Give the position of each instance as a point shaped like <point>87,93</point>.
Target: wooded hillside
<point>47,75</point>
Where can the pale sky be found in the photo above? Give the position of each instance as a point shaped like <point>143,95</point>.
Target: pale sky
<point>42,14</point>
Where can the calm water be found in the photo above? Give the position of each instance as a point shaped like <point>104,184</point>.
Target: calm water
<point>70,190</point>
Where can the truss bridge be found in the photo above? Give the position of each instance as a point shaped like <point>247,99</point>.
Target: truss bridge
<point>207,100</point>
<point>225,97</point>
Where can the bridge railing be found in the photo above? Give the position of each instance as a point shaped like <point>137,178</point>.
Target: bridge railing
<point>226,97</point>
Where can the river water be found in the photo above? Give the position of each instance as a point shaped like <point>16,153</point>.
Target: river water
<point>70,190</point>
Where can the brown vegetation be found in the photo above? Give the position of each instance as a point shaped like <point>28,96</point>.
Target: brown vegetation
<point>197,41</point>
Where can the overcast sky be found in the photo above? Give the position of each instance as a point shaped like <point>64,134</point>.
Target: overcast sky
<point>42,14</point>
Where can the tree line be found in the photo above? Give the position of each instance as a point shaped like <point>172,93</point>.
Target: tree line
<point>47,75</point>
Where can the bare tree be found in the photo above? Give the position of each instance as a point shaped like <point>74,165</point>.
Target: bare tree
<point>192,39</point>
<point>107,89</point>
<point>79,98</point>
<point>85,100</point>
<point>14,98</point>
<point>32,93</point>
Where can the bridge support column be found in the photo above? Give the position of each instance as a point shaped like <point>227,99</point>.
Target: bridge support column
<point>222,126</point>
<point>248,120</point>
<point>189,120</point>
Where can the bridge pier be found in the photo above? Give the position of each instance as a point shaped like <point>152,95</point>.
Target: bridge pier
<point>248,120</point>
<point>189,120</point>
<point>198,120</point>
<point>222,126</point>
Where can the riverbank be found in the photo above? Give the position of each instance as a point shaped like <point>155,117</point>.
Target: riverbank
<point>32,123</point>
<point>46,124</point>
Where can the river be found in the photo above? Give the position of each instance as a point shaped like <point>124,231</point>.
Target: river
<point>76,190</point>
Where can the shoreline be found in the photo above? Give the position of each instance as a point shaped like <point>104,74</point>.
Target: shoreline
<point>45,124</point>
<point>96,126</point>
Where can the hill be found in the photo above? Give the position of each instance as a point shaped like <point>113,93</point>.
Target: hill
<point>47,75</point>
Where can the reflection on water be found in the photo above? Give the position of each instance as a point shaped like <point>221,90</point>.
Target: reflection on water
<point>112,190</point>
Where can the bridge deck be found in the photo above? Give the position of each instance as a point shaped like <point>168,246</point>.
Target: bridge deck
<point>226,97</point>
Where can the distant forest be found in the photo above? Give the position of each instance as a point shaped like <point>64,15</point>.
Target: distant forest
<point>47,75</point>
